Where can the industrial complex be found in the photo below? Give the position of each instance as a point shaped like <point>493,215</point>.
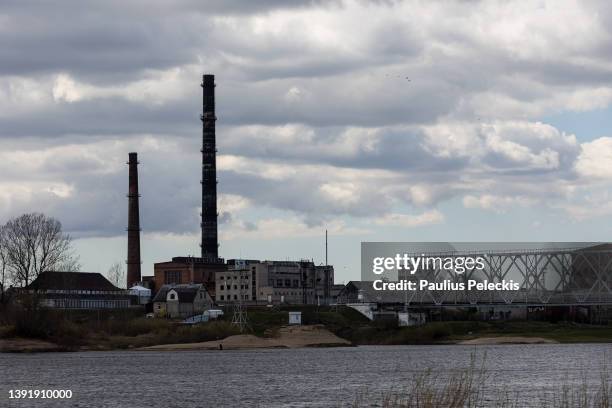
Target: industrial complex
<point>567,282</point>
<point>244,281</point>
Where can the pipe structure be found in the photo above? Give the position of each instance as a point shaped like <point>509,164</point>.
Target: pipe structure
<point>133,251</point>
<point>209,242</point>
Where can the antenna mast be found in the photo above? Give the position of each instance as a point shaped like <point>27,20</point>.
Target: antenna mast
<point>326,264</point>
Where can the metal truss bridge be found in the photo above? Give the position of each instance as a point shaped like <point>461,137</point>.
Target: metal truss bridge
<point>551,277</point>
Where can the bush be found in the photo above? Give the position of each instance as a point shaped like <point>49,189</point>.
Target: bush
<point>28,319</point>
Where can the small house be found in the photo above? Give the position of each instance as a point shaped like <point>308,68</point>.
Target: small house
<point>181,301</point>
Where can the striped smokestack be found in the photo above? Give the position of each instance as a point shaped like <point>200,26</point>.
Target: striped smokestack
<point>209,244</point>
<point>133,253</point>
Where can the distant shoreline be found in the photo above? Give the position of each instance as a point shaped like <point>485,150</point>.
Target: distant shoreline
<point>484,341</point>
<point>268,330</point>
<point>317,339</point>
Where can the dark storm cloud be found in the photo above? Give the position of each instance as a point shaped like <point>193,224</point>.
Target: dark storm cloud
<point>113,41</point>
<point>99,43</point>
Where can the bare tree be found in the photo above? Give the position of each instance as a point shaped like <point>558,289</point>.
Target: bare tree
<point>35,243</point>
<point>3,272</point>
<point>116,274</point>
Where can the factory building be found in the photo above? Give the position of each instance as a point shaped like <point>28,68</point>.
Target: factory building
<point>299,282</point>
<point>238,282</point>
<point>293,282</point>
<point>187,269</point>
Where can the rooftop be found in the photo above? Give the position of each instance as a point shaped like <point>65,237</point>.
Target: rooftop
<point>186,292</point>
<point>72,281</point>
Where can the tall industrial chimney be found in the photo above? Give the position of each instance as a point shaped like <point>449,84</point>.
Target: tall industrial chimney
<point>133,254</point>
<point>209,244</point>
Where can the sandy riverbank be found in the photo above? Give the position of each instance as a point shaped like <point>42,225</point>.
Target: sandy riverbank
<point>507,340</point>
<point>288,337</point>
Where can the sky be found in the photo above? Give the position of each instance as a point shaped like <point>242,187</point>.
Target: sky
<point>376,120</point>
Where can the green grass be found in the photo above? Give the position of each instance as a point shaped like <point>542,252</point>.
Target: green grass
<point>353,326</point>
<point>450,332</point>
<point>563,332</point>
<point>121,329</point>
<point>178,334</point>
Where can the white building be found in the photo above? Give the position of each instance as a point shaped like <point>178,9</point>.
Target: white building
<point>143,294</point>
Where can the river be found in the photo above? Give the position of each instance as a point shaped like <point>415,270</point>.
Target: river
<point>311,377</point>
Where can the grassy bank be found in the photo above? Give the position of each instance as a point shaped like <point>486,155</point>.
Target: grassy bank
<point>353,326</point>
<point>107,330</point>
<point>143,332</point>
<point>452,332</point>
<point>123,329</point>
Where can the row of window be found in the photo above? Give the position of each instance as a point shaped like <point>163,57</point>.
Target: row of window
<point>88,304</point>
<point>229,297</point>
<point>287,283</point>
<point>230,277</point>
<point>86,292</point>
<point>229,287</point>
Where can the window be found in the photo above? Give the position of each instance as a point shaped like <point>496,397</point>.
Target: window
<point>235,297</point>
<point>172,277</point>
<point>235,286</point>
<point>288,283</point>
<point>221,287</point>
<point>221,297</point>
<point>279,283</point>
<point>172,296</point>
<point>222,278</point>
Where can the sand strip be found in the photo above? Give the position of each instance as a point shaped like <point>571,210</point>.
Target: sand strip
<point>508,340</point>
<point>288,337</point>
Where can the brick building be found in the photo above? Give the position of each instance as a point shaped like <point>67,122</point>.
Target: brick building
<point>184,270</point>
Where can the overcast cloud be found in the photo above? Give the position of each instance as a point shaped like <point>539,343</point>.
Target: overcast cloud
<point>341,113</point>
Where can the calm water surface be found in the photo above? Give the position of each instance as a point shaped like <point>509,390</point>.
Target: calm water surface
<point>286,378</point>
